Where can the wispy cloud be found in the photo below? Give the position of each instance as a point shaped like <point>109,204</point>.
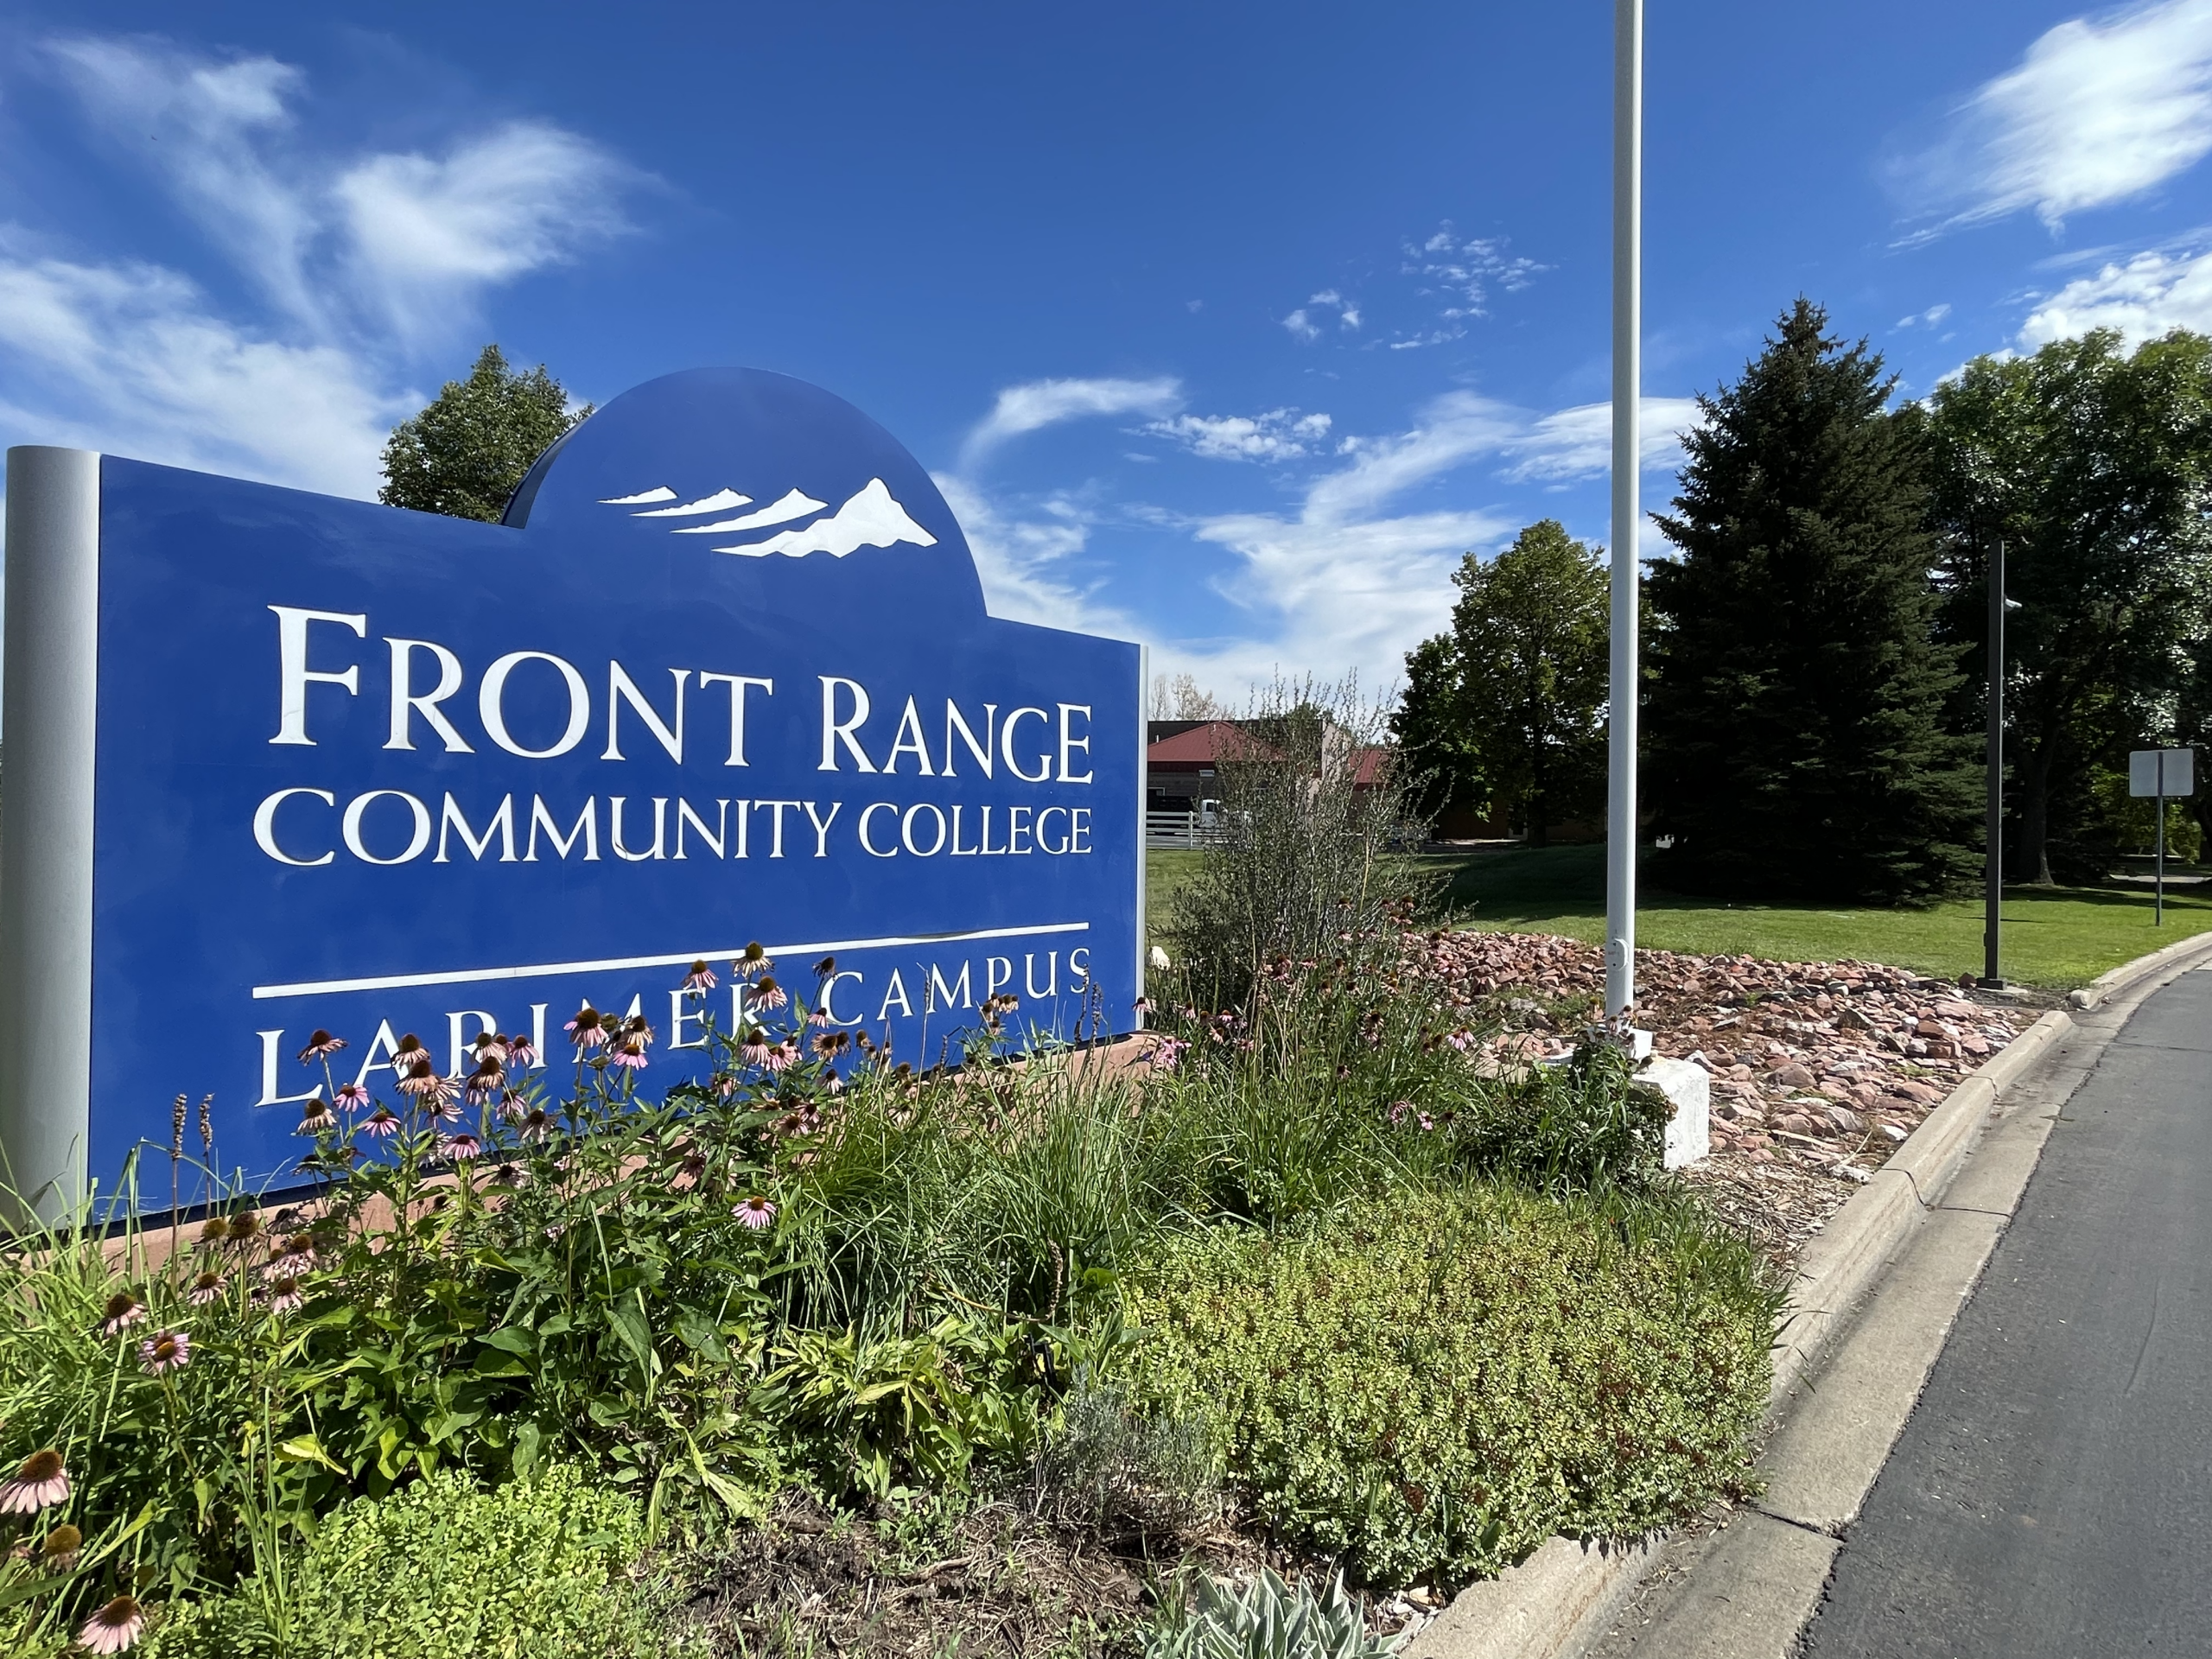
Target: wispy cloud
<point>1463,271</point>
<point>1029,558</point>
<point>1578,442</point>
<point>1932,317</point>
<point>1035,404</point>
<point>1305,323</point>
<point>2143,297</point>
<point>131,359</point>
<point>427,232</point>
<point>2099,110</point>
<point>364,261</point>
<point>1279,434</point>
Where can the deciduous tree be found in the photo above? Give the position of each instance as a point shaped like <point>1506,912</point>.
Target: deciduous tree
<point>1504,710</point>
<point>467,450</point>
<point>2094,466</point>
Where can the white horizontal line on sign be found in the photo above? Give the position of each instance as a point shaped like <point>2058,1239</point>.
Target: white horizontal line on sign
<point>684,958</point>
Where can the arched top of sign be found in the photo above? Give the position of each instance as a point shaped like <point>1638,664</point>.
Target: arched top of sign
<point>723,468</point>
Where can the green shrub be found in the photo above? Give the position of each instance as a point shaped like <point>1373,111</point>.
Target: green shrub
<point>1436,1386</point>
<point>443,1569</point>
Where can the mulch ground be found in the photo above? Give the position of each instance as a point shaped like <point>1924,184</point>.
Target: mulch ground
<point>1000,1581</point>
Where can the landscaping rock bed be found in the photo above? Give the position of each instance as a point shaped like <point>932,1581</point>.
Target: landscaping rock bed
<point>1819,1070</point>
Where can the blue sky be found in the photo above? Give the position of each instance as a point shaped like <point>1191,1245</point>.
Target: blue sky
<point>1225,327</point>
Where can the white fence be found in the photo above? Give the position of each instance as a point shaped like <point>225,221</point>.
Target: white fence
<point>1180,828</point>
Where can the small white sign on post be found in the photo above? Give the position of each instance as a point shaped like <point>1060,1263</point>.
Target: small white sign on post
<point>2163,774</point>
<point>2177,777</point>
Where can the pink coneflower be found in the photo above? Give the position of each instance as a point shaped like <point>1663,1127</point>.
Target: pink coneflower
<point>832,1081</point>
<point>819,1017</point>
<point>461,1148</point>
<point>522,1053</point>
<point>585,1031</point>
<point>213,1232</point>
<point>636,1026</point>
<point>351,1096</point>
<point>826,1043</point>
<point>753,1049</point>
<point>1169,1052</point>
<point>701,978</point>
<point>826,967</point>
<point>207,1288</point>
<point>755,1213</point>
<point>512,1105</point>
<point>629,1053</point>
<point>492,1045</point>
<point>484,1082</point>
<point>114,1628</point>
<point>57,1551</point>
<point>686,1174</point>
<point>320,1043</point>
<point>769,994</point>
<point>245,1225</point>
<point>1401,1111</point>
<point>123,1311</point>
<point>409,1054</point>
<point>165,1351</point>
<point>284,1295</point>
<point>781,1056</point>
<point>752,963</point>
<point>39,1482</point>
<point>315,1117</point>
<point>535,1125</point>
<point>298,1250</point>
<point>380,1122</point>
<point>724,1085</point>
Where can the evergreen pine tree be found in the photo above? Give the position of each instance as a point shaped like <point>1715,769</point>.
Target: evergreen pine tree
<point>1795,720</point>
<point>472,444</point>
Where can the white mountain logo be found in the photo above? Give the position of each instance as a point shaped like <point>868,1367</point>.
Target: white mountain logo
<point>872,517</point>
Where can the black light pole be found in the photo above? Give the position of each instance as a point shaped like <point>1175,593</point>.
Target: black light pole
<point>1994,875</point>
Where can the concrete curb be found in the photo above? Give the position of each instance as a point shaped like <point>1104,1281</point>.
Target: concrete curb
<point>1547,1606</point>
<point>2128,974</point>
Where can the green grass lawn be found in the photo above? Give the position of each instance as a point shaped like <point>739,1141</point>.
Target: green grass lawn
<point>2057,938</point>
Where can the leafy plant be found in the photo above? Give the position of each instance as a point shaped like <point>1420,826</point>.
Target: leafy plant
<point>444,1569</point>
<point>1437,1386</point>
<point>1267,1618</point>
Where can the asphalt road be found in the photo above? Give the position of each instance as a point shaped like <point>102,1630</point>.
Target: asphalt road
<point>2051,1496</point>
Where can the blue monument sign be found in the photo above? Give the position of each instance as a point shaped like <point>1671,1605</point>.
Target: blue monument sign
<point>275,761</point>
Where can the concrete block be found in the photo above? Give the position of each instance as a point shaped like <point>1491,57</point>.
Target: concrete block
<point>1688,1093</point>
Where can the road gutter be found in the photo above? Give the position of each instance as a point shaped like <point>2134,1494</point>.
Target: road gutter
<point>1921,1229</point>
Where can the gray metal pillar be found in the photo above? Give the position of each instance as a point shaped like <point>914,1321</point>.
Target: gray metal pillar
<point>1628,390</point>
<point>47,730</point>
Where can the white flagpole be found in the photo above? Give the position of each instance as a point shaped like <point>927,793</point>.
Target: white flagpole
<point>1628,385</point>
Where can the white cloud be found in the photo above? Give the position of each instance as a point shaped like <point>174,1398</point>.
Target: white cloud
<point>1578,442</point>
<point>364,260</point>
<point>130,359</point>
<point>211,123</point>
<point>1028,561</point>
<point>1932,317</point>
<point>2097,112</point>
<point>1467,271</point>
<point>1302,324</point>
<point>428,231</point>
<point>1038,404</point>
<point>1279,434</point>
<point>1351,579</point>
<point>2143,297</point>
